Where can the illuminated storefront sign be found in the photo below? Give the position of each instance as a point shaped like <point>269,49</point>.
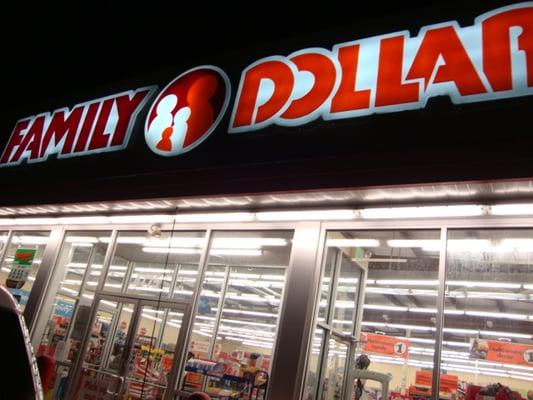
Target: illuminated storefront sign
<point>491,59</point>
<point>96,126</point>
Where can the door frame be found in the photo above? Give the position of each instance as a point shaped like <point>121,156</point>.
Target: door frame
<point>352,340</point>
<point>138,302</point>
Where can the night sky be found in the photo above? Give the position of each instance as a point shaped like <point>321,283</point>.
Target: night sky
<point>50,51</point>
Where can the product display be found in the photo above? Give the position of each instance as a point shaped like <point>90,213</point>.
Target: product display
<point>227,378</point>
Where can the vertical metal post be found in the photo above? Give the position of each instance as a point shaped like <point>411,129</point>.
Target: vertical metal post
<point>179,356</point>
<point>439,323</point>
<point>106,353</point>
<point>107,261</point>
<point>218,317</point>
<point>188,325</point>
<point>333,284</point>
<point>127,277</point>
<point>296,321</point>
<point>356,330</point>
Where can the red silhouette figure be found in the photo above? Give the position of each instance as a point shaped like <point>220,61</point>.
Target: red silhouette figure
<point>165,144</point>
<point>202,113</point>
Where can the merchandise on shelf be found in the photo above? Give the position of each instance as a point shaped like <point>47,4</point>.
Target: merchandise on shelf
<point>228,377</point>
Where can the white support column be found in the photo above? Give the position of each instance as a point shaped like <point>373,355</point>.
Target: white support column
<point>296,321</point>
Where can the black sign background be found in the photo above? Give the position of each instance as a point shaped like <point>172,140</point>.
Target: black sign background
<point>440,143</point>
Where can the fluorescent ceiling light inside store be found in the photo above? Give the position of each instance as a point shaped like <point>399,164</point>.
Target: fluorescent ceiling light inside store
<point>459,331</point>
<point>136,219</point>
<point>82,239</point>
<point>398,282</point>
<point>97,219</point>
<point>248,243</point>
<point>421,310</point>
<point>184,242</point>
<point>225,252</point>
<point>352,243</point>
<point>471,284</point>
<point>215,217</point>
<point>35,221</point>
<point>512,209</point>
<point>30,240</point>
<point>305,215</point>
<point>423,212</point>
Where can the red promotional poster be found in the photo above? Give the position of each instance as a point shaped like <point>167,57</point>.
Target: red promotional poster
<point>388,345</point>
<point>448,383</point>
<point>503,352</point>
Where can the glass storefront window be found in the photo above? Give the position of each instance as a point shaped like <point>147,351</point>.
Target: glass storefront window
<point>346,296</point>
<point>238,312</point>
<point>397,331</point>
<point>488,329</point>
<point>163,265</point>
<point>21,262</point>
<point>314,366</point>
<point>70,296</point>
<point>335,368</point>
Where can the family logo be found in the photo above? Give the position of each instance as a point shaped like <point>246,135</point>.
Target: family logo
<point>187,111</point>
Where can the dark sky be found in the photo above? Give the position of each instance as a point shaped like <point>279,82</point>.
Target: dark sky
<point>51,50</point>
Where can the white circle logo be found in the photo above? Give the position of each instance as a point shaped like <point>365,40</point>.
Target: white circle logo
<point>187,111</point>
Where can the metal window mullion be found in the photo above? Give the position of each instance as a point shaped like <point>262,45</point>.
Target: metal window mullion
<point>159,339</point>
<point>323,364</point>
<point>3,252</point>
<point>280,309</point>
<point>356,330</point>
<point>112,333</point>
<point>334,281</point>
<point>107,261</point>
<point>334,277</point>
<point>87,273</point>
<point>188,325</point>
<point>319,265</point>
<point>174,281</point>
<point>130,341</point>
<point>127,277</point>
<point>358,317</point>
<point>218,317</point>
<point>77,363</point>
<point>439,323</point>
<point>166,313</point>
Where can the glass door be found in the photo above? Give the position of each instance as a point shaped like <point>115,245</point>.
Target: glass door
<point>337,331</point>
<point>157,342</point>
<point>130,349</point>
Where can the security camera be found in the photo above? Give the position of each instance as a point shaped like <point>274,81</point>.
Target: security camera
<point>154,231</point>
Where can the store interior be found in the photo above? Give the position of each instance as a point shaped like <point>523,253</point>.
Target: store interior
<point>487,335</point>
<point>488,296</point>
<point>237,312</point>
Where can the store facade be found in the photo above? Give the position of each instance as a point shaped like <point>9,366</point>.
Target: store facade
<point>250,227</point>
